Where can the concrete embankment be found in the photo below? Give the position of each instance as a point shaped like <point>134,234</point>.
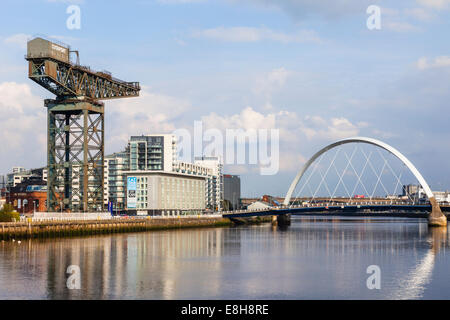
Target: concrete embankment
<point>251,220</point>
<point>51,229</point>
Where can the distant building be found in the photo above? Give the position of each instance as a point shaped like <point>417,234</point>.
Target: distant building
<point>413,191</point>
<point>232,191</point>
<point>18,169</point>
<point>29,195</point>
<point>442,196</point>
<point>13,179</point>
<point>258,205</point>
<point>20,174</point>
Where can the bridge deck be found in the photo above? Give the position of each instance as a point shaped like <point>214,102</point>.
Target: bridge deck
<point>395,209</point>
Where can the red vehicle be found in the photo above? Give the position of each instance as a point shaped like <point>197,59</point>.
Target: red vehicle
<point>359,196</point>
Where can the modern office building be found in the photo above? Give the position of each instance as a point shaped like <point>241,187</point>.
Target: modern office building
<point>232,191</point>
<point>164,193</point>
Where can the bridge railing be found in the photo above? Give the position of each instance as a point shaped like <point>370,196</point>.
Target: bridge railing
<point>325,205</point>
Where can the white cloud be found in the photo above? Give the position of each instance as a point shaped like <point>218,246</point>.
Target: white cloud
<point>290,124</point>
<point>252,34</point>
<point>294,130</point>
<point>267,84</point>
<point>435,4</point>
<point>330,129</point>
<point>23,127</point>
<point>438,62</point>
<point>19,39</point>
<point>246,119</point>
<point>420,14</point>
<point>149,113</point>
<point>398,26</point>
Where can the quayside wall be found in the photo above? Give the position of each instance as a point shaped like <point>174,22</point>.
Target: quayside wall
<point>52,229</point>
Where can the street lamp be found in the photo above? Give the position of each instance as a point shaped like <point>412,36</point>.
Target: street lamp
<point>25,202</point>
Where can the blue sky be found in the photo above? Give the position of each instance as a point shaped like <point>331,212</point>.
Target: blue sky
<point>311,69</point>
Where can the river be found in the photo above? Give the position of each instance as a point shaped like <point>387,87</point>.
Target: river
<point>314,258</point>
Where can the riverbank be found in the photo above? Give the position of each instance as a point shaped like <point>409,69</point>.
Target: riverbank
<point>54,229</point>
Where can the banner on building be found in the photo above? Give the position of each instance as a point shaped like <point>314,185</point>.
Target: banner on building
<point>131,192</point>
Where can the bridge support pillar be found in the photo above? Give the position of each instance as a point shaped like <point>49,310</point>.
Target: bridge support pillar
<point>274,220</point>
<point>284,220</point>
<point>436,217</point>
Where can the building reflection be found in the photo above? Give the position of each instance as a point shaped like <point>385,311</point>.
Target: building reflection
<point>151,264</point>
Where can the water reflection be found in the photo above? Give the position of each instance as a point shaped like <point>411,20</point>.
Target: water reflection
<point>111,266</point>
<point>414,284</point>
<point>315,258</point>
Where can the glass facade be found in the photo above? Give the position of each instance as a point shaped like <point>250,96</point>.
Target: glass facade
<point>147,153</point>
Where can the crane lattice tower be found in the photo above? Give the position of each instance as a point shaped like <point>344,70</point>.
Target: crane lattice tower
<point>75,124</point>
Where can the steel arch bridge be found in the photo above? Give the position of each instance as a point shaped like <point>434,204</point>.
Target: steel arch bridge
<point>436,217</point>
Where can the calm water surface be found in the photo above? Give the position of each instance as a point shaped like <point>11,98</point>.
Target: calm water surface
<point>314,258</point>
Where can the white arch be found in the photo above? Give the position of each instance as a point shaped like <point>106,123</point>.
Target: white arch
<point>375,142</point>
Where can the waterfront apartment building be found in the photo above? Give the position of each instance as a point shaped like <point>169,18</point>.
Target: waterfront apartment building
<point>164,193</point>
<point>157,153</point>
<point>152,152</point>
<point>115,179</point>
<point>211,170</point>
<point>214,182</point>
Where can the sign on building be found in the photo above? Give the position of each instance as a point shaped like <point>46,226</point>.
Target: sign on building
<point>131,192</point>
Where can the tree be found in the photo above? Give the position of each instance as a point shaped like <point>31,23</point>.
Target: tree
<point>8,214</point>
